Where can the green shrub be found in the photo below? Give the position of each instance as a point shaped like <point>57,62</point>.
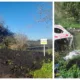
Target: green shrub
<point>73,72</point>
<point>2,45</point>
<point>44,72</point>
<point>56,57</point>
<point>70,68</point>
<point>49,51</point>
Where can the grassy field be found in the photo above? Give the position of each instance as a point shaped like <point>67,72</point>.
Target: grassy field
<point>67,24</point>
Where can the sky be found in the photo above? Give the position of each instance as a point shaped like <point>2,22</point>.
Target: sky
<point>22,17</point>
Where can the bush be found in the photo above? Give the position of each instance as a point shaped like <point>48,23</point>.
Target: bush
<point>73,72</point>
<point>20,63</point>
<point>2,45</point>
<point>44,72</point>
<point>70,68</point>
<point>56,57</point>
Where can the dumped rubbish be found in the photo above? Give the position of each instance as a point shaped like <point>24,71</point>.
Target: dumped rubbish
<point>56,66</point>
<point>72,54</point>
<point>61,33</point>
<point>56,70</point>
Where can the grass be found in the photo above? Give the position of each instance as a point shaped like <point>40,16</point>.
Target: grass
<point>44,72</point>
<point>69,24</point>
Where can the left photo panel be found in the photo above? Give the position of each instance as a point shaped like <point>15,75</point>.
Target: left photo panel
<point>26,40</point>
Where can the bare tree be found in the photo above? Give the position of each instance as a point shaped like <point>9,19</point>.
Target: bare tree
<point>45,13</point>
<point>21,40</point>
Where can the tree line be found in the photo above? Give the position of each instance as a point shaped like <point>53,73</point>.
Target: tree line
<point>67,12</point>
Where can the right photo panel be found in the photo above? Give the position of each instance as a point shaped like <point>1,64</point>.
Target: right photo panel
<point>67,40</point>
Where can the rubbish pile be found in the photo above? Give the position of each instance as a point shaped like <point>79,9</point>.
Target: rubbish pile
<point>72,54</point>
<point>62,37</point>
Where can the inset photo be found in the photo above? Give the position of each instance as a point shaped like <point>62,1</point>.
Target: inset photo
<point>67,39</point>
<point>26,40</point>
